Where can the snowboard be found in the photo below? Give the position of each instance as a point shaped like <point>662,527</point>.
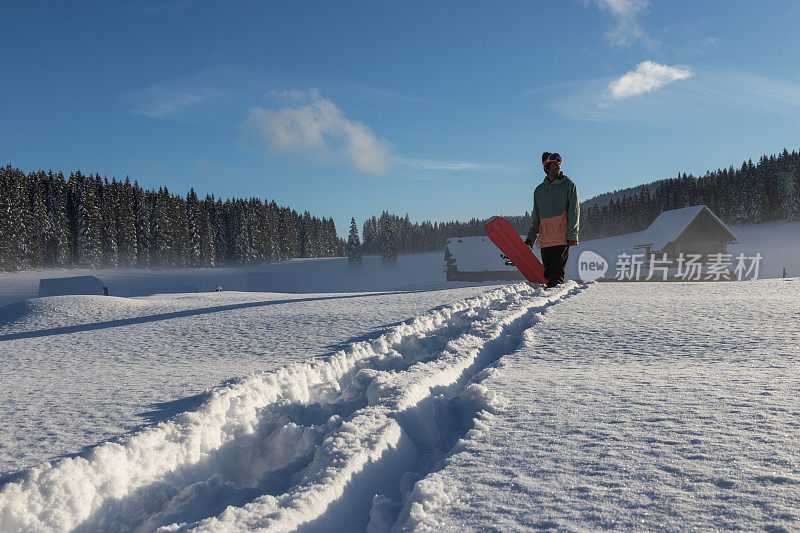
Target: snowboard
<point>505,237</point>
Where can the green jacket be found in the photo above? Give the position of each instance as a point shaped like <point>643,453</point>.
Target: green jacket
<point>556,212</point>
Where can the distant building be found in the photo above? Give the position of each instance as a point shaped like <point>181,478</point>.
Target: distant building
<point>71,285</point>
<point>476,259</point>
<point>690,230</point>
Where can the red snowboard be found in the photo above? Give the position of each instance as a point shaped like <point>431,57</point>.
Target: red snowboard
<point>508,240</point>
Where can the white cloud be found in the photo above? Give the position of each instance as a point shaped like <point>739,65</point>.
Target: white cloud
<point>708,92</point>
<point>315,128</point>
<point>647,77</point>
<point>625,13</point>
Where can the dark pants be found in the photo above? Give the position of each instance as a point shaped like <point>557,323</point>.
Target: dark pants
<point>554,259</point>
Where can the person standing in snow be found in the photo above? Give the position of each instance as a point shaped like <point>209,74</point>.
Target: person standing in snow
<point>556,217</point>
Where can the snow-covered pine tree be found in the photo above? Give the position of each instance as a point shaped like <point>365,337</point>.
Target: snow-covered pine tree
<point>304,246</point>
<point>57,208</point>
<point>207,252</point>
<point>219,225</point>
<point>6,252</point>
<point>108,227</point>
<point>238,229</point>
<point>141,219</point>
<point>273,225</point>
<point>326,238</point>
<point>261,232</point>
<point>126,225</point>
<point>253,231</point>
<point>193,227</point>
<point>287,233</point>
<point>790,197</point>
<point>316,243</point>
<point>38,191</point>
<point>370,234</point>
<point>88,222</point>
<point>353,245</point>
<point>387,239</point>
<point>754,193</point>
<point>179,232</point>
<point>160,245</point>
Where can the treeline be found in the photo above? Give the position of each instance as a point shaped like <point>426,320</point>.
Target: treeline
<point>390,234</point>
<point>767,191</point>
<point>49,221</point>
<point>764,192</point>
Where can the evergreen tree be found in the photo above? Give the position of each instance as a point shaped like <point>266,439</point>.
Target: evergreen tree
<point>160,245</point>
<point>42,230</point>
<point>178,231</point>
<point>273,223</point>
<point>126,225</point>
<point>353,244</point>
<point>141,219</point>
<point>193,221</point>
<point>238,230</point>
<point>88,222</point>
<point>7,258</point>
<point>388,239</point>
<point>219,225</point>
<point>59,221</point>
<point>790,197</point>
<point>109,223</point>
<point>370,236</point>
<point>207,251</point>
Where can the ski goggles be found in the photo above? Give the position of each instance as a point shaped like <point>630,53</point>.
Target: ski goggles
<point>553,157</point>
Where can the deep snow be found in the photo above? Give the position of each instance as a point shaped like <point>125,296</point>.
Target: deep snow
<point>599,406</point>
<point>309,444</point>
<point>637,407</point>
<point>75,370</point>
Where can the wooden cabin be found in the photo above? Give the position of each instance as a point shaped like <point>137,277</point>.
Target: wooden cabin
<point>690,230</point>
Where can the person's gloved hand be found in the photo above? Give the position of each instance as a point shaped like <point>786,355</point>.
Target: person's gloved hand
<point>572,243</point>
<point>529,243</point>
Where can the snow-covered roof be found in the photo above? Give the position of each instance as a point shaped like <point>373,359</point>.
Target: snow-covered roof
<point>476,254</point>
<point>669,225</point>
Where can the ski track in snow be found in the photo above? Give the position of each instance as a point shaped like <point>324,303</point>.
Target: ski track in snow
<point>66,385</point>
<point>338,443</point>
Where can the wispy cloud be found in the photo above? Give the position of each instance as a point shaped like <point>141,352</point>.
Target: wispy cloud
<point>744,90</point>
<point>392,95</point>
<point>436,164</point>
<point>313,127</point>
<point>178,95</point>
<point>648,76</point>
<point>708,92</point>
<point>628,28</point>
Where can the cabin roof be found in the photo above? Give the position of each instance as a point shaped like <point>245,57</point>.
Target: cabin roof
<point>669,225</point>
<point>476,254</point>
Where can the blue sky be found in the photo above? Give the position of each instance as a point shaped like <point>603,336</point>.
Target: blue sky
<point>436,109</point>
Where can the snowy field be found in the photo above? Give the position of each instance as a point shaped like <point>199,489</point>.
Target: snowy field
<point>636,407</point>
<point>413,404</point>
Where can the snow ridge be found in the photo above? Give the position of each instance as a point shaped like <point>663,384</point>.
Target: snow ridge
<point>302,447</point>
